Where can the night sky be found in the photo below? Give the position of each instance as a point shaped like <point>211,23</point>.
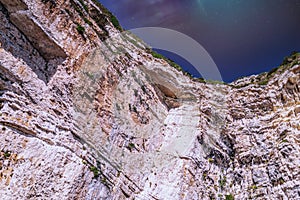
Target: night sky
<point>243,37</point>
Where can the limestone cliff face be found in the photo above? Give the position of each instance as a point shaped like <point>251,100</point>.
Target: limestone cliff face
<point>87,113</point>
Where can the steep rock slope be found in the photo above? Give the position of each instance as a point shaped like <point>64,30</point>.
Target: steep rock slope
<point>88,113</point>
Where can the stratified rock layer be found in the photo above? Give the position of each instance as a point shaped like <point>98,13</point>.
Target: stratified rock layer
<point>88,113</point>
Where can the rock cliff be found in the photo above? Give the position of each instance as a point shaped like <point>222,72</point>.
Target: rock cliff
<point>89,113</point>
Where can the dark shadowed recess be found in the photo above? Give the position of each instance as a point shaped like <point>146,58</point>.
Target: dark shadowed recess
<point>26,40</point>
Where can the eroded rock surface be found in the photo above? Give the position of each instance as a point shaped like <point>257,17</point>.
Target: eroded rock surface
<point>88,113</point>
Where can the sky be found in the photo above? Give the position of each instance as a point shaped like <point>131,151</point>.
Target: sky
<point>243,37</point>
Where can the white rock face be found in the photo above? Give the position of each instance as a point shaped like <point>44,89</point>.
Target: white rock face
<point>96,116</point>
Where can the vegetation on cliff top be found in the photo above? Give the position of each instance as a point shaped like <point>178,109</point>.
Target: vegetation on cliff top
<point>112,18</point>
<point>173,64</point>
<point>263,78</point>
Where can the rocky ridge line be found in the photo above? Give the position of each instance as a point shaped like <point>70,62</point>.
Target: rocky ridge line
<point>91,114</point>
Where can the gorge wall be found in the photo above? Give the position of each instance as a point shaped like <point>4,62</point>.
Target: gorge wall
<point>89,113</point>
